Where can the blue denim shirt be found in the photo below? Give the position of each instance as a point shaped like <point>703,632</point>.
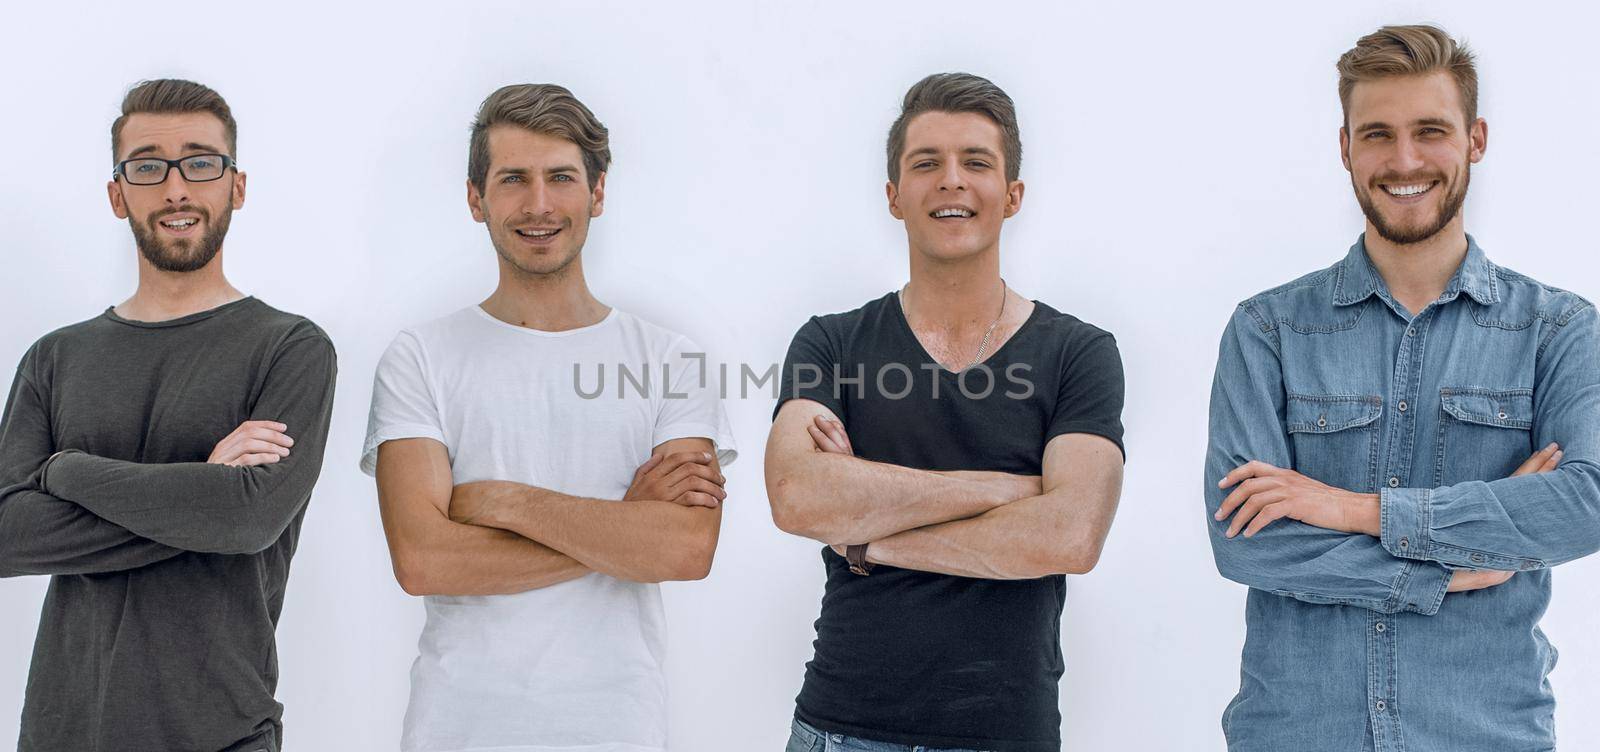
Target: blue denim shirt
<point>1352,642</point>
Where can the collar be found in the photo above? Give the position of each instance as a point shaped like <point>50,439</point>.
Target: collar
<point>1356,279</point>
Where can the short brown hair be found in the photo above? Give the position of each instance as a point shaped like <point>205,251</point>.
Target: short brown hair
<point>1409,51</point>
<point>165,96</point>
<point>958,92</point>
<point>543,108</point>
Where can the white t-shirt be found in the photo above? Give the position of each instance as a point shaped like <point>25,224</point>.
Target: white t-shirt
<point>574,667</point>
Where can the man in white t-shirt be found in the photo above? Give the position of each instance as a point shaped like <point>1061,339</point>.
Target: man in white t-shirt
<point>542,461</point>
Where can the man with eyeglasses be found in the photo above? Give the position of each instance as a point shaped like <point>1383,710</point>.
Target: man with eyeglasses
<point>147,466</point>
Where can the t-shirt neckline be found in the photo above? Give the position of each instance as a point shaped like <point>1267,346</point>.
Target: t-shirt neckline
<point>905,328</point>
<point>610,316</point>
<point>111,313</point>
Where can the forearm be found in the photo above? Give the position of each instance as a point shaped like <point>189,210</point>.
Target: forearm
<point>1523,522</point>
<point>195,506</point>
<point>1025,539</point>
<point>639,541</point>
<point>839,499</point>
<point>41,534</point>
<point>455,559</point>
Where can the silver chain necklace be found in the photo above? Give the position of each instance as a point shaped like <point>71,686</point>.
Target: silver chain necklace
<point>983,345</point>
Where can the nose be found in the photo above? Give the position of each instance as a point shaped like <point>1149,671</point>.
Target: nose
<point>539,200</point>
<point>176,189</point>
<point>1407,155</point>
<point>951,178</point>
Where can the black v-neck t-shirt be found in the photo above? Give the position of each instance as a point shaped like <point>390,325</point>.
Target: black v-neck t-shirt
<point>915,657</point>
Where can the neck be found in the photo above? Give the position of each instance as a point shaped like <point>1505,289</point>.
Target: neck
<point>954,294</point>
<point>1417,273</point>
<point>163,295</point>
<point>553,302</point>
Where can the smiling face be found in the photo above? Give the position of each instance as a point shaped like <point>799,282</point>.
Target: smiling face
<point>1409,149</point>
<point>953,194</point>
<point>536,199</point>
<point>178,226</point>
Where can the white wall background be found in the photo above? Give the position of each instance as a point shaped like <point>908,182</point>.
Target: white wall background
<point>1179,157</point>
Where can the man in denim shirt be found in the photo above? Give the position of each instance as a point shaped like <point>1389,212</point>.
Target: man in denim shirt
<point>1401,447</point>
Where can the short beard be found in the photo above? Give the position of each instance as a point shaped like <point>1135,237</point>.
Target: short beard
<point>168,257</point>
<point>1403,236</point>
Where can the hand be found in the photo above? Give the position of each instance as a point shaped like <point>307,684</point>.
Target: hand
<point>829,436</point>
<point>1266,493</point>
<point>1462,580</point>
<point>254,442</point>
<point>1542,461</point>
<point>474,503</point>
<point>685,478</point>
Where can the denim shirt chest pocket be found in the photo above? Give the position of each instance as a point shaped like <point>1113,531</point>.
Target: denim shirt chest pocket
<point>1335,438</point>
<point>1484,434</point>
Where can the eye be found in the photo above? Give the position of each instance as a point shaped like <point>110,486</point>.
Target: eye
<point>511,179</point>
<point>1433,131</point>
<point>1373,135</point>
<point>561,177</point>
<point>146,167</point>
<point>202,163</point>
<point>923,164</point>
<point>978,164</point>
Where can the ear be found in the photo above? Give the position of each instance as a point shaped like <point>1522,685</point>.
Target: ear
<point>1478,137</point>
<point>893,193</point>
<point>238,189</point>
<point>597,201</point>
<point>475,203</point>
<point>119,205</point>
<point>1344,147</point>
<point>1014,198</point>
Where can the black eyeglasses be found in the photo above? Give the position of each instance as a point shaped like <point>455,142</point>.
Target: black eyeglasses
<point>198,168</point>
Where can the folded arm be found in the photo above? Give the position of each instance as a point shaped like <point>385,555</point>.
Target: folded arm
<point>1526,521</point>
<point>1060,531</point>
<point>637,539</point>
<point>1289,557</point>
<point>433,555</point>
<point>39,533</point>
<point>215,508</point>
<point>840,499</point>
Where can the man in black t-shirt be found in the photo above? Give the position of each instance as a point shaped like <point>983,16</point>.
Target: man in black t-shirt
<point>958,448</point>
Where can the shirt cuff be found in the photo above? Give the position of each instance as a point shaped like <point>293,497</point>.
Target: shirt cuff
<point>1404,514</point>
<point>1422,587</point>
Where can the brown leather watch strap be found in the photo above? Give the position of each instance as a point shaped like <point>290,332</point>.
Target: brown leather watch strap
<point>857,556</point>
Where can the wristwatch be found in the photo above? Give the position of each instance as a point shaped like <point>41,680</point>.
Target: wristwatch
<point>856,555</point>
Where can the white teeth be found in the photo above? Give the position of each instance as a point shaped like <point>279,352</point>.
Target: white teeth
<point>1408,190</point>
<point>942,213</point>
<point>179,224</point>
<point>536,233</point>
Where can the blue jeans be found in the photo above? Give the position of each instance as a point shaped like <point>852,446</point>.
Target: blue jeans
<point>803,737</point>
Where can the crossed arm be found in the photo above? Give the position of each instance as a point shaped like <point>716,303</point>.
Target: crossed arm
<point>72,512</point>
<point>1308,540</point>
<point>496,537</point>
<point>966,523</point>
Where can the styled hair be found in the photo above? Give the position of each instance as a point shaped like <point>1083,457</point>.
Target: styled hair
<point>171,96</point>
<point>1409,51</point>
<point>542,108</point>
<point>958,92</point>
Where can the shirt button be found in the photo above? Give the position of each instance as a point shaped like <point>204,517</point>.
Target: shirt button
<point>1381,627</point>
<point>1404,542</point>
<point>1382,706</point>
<point>1411,332</point>
<point>1477,558</point>
<point>1502,415</point>
<point>1402,405</point>
<point>1394,482</point>
<point>1322,421</point>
